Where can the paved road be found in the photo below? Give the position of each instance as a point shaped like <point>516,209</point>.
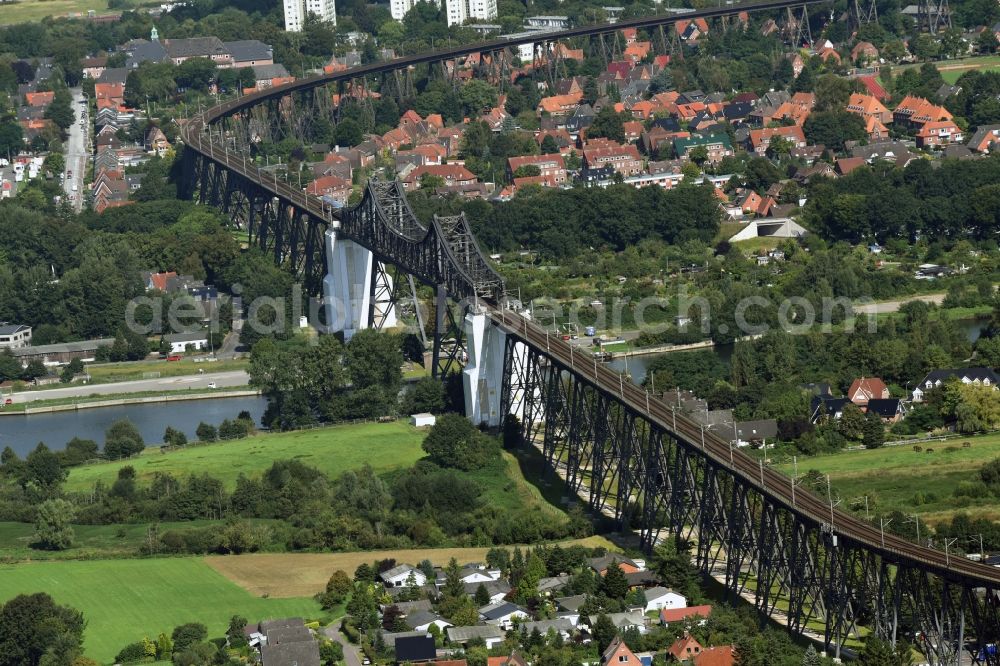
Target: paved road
<point>893,306</point>
<point>77,150</point>
<point>221,379</point>
<point>352,656</point>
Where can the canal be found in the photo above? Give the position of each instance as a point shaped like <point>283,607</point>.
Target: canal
<point>22,433</point>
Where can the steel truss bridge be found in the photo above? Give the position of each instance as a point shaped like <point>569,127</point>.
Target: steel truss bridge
<point>803,563</point>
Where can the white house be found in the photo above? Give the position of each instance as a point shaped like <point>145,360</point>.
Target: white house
<point>479,575</point>
<point>490,635</point>
<point>181,342</point>
<point>658,598</point>
<point>503,614</point>
<point>975,376</point>
<point>403,575</point>
<point>422,620</point>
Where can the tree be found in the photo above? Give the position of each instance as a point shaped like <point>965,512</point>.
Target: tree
<point>53,529</point>
<point>206,432</point>
<point>877,652</point>
<point>482,596</point>
<point>873,431</point>
<point>478,96</point>
<point>35,630</point>
<point>615,584</point>
<point>426,395</point>
<point>43,469</point>
<point>454,442</point>
<point>60,109</point>
<point>608,123</point>
<point>123,440</point>
<point>235,633</point>
<point>852,422</point>
<point>604,632</point>
<point>186,635</point>
<point>174,437</point>
<point>549,145</point>
<point>811,657</point>
<point>72,369</point>
<point>337,589</point>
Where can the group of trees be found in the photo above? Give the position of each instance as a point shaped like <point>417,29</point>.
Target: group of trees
<point>439,501</point>
<point>328,381</point>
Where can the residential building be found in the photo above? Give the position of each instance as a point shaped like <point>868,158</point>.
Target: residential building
<point>61,353</point>
<point>864,53</point>
<point>551,167</point>
<point>628,565</point>
<point>503,614</point>
<point>760,140</point>
<point>458,12</point>
<point>935,378</point>
<point>889,410</point>
<point>756,432</point>
<point>696,614</point>
<point>915,112</point>
<point>716,146</point>
<point>334,187</point>
<point>14,336</point>
<point>451,174</point>
<point>399,8</point>
<point>287,642</point>
<point>250,53</point>
<point>867,388</point>
<point>403,575</point>
<point>179,50</point>
<point>658,598</point>
<point>156,141</point>
<point>414,649</point>
<point>491,635</point>
<point>182,342</point>
<point>985,139</point>
<point>715,656</point>
<point>619,654</point>
<point>938,133</point>
<point>422,620</point>
<point>869,106</point>
<point>625,160</point>
<point>684,648</point>
<point>296,12</point>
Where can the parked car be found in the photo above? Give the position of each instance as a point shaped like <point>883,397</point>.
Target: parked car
<point>174,357</point>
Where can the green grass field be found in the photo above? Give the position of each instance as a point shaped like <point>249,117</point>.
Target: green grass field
<point>122,600</point>
<point>333,450</point>
<point>899,478</point>
<point>89,541</point>
<point>34,10</point>
<point>102,373</point>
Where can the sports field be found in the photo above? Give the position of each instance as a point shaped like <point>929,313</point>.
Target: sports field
<point>899,478</point>
<point>122,600</point>
<point>305,574</point>
<point>332,450</point>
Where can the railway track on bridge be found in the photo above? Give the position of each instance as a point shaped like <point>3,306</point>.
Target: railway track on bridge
<point>829,560</point>
<point>770,482</point>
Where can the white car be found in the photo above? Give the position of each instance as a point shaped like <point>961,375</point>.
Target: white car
<point>212,385</point>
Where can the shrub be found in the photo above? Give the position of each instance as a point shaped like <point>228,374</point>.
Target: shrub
<point>131,654</point>
<point>917,448</point>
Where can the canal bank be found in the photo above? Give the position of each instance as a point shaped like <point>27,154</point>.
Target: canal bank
<point>83,403</point>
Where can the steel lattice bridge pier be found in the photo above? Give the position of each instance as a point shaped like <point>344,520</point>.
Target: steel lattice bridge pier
<point>821,572</point>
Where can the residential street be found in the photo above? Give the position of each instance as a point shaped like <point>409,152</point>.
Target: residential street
<point>221,379</point>
<point>352,656</point>
<point>77,151</point>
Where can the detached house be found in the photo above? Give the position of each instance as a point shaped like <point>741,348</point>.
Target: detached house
<point>684,648</point>
<point>760,140</point>
<point>619,654</point>
<point>935,378</point>
<point>985,139</point>
<point>625,160</point>
<point>551,167</point>
<point>865,389</point>
<point>403,575</point>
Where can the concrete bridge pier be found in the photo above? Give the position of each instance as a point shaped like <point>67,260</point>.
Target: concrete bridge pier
<point>482,377</point>
<point>357,290</point>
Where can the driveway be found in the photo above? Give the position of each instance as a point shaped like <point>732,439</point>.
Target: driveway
<point>352,655</point>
